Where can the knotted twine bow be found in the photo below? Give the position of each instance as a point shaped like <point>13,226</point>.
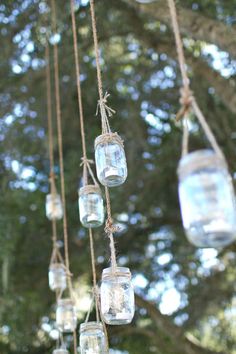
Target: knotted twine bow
<point>106,112</point>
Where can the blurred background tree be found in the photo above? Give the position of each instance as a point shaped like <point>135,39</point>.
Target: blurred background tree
<point>185,296</point>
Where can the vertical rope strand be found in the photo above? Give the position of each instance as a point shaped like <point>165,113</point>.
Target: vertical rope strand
<point>92,253</point>
<point>187,98</point>
<point>60,144</point>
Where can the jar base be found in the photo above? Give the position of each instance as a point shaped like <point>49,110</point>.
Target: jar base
<point>207,239</point>
<point>91,223</point>
<point>112,181</point>
<point>118,320</point>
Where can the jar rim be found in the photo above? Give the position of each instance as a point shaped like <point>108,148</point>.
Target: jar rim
<point>89,189</point>
<point>65,302</point>
<point>57,266</point>
<point>199,159</point>
<point>119,271</point>
<point>90,326</point>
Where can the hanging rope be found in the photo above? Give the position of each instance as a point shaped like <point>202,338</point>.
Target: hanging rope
<point>187,99</point>
<point>61,160</point>
<point>106,112</point>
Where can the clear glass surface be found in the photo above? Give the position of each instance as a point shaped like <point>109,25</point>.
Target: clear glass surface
<point>57,277</point>
<point>66,318</point>
<point>117,298</point>
<point>91,210</point>
<point>60,351</point>
<point>92,340</point>
<point>54,210</point>
<point>208,207</point>
<point>111,164</point>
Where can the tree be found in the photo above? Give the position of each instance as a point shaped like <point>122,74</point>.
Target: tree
<point>185,296</point>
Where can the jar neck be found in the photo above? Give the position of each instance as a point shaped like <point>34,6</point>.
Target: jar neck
<point>119,272</point>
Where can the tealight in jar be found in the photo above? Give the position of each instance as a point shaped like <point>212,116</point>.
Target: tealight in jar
<point>66,318</point>
<point>92,338</point>
<point>110,160</point>
<point>57,277</point>
<point>91,207</point>
<point>54,209</point>
<point>117,296</point>
<point>207,199</point>
<point>60,351</point>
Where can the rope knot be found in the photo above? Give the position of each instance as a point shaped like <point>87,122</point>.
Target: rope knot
<point>102,104</point>
<point>186,99</point>
<point>86,161</point>
<point>110,228</point>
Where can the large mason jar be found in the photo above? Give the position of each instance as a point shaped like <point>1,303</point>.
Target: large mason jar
<point>92,338</point>
<point>54,209</point>
<point>57,277</point>
<point>207,199</point>
<point>60,351</point>
<point>117,296</point>
<point>110,160</point>
<point>66,318</point>
<point>91,207</point>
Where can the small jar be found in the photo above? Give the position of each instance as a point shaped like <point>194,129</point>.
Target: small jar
<point>91,207</point>
<point>117,296</point>
<point>54,209</point>
<point>66,318</point>
<point>207,199</point>
<point>57,277</point>
<point>60,351</point>
<point>110,160</point>
<point>92,338</point>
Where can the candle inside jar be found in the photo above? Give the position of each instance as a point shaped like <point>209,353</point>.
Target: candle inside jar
<point>111,172</point>
<point>92,218</point>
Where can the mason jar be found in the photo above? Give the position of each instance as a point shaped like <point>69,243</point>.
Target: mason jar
<point>110,160</point>
<point>54,209</point>
<point>66,318</point>
<point>117,296</point>
<point>91,207</point>
<point>92,338</point>
<point>60,351</point>
<point>207,199</point>
<point>57,277</point>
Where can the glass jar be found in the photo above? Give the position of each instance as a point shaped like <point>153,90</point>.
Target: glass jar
<point>91,207</point>
<point>110,160</point>
<point>66,318</point>
<point>60,351</point>
<point>117,296</point>
<point>54,209</point>
<point>207,199</point>
<point>92,338</point>
<point>57,277</point>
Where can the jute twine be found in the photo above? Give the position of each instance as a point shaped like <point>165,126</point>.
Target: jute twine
<point>187,100</point>
<point>90,188</point>
<point>107,138</point>
<point>61,160</point>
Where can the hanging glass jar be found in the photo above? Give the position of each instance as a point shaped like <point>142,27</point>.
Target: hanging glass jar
<point>207,199</point>
<point>54,209</point>
<point>57,277</point>
<point>66,318</point>
<point>110,160</point>
<point>91,207</point>
<point>92,338</point>
<point>117,296</point>
<point>60,351</point>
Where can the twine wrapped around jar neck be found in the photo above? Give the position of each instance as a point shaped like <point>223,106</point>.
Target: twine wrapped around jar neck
<point>200,159</point>
<point>88,326</point>
<point>108,138</point>
<point>89,189</point>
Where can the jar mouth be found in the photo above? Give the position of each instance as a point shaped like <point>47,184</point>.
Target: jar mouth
<point>198,159</point>
<point>56,266</point>
<point>118,272</point>
<point>61,302</point>
<point>91,326</point>
<point>89,189</point>
<point>108,138</point>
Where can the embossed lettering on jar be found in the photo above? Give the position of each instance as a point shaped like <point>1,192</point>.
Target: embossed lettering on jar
<point>92,338</point>
<point>110,160</point>
<point>91,207</point>
<point>54,210</point>
<point>57,277</point>
<point>117,296</point>
<point>207,199</point>
<point>66,318</point>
